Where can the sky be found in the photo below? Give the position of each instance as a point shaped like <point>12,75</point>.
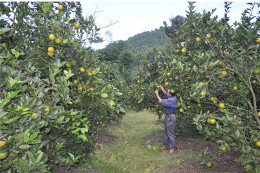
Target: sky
<point>129,18</point>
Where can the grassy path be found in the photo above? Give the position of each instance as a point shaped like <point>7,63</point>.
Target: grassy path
<point>133,151</point>
<point>133,146</point>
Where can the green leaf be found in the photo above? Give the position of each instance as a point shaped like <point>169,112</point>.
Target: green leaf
<point>16,54</point>
<point>65,40</point>
<point>4,30</point>
<point>104,95</point>
<point>39,157</point>
<point>24,147</point>
<point>33,136</point>
<point>2,113</point>
<point>71,156</point>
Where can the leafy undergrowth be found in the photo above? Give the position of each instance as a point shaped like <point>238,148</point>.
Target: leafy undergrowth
<point>133,146</point>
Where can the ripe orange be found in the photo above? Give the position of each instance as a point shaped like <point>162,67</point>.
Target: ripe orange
<point>82,70</point>
<point>223,148</point>
<point>203,93</point>
<point>206,42</point>
<point>213,121</point>
<point>91,89</point>
<point>47,109</point>
<point>77,25</point>
<point>50,54</point>
<point>258,113</point>
<point>183,50</point>
<point>234,88</point>
<point>166,83</point>
<point>209,164</point>
<point>80,88</point>
<point>181,110</point>
<point>198,39</point>
<point>258,40</point>
<point>212,99</point>
<point>90,74</point>
<point>58,41</point>
<point>2,143</point>
<point>168,74</point>
<point>51,49</point>
<point>208,36</point>
<point>39,151</point>
<point>60,7</point>
<point>221,105</point>
<point>223,73</point>
<point>257,143</point>
<point>52,37</point>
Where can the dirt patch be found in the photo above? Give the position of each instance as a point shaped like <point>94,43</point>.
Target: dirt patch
<point>225,160</point>
<point>106,137</point>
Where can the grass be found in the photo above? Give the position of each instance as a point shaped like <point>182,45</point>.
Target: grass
<point>130,153</point>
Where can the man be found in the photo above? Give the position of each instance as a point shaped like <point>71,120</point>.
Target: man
<point>170,118</point>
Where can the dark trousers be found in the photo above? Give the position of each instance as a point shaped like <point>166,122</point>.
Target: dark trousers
<point>169,131</point>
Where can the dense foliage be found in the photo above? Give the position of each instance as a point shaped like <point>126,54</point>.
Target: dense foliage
<point>54,97</point>
<point>214,68</point>
<point>56,93</point>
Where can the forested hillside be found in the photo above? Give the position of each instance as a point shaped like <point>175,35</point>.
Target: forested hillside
<point>145,41</point>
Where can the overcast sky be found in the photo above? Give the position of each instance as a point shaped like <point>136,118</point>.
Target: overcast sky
<point>133,17</point>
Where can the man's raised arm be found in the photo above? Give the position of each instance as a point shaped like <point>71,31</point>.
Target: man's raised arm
<point>163,90</point>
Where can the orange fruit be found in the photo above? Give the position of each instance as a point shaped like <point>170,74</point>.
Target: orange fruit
<point>50,54</point>
<point>209,164</point>
<point>198,39</point>
<point>77,25</point>
<point>82,70</point>
<point>39,151</point>
<point>2,143</point>
<point>213,121</point>
<point>60,7</point>
<point>52,37</point>
<point>51,49</point>
<point>47,109</point>
<point>58,41</point>
<point>223,73</point>
<point>221,105</point>
<point>257,143</point>
<point>208,36</point>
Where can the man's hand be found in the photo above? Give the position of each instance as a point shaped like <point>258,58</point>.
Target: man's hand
<point>157,95</point>
<point>163,90</point>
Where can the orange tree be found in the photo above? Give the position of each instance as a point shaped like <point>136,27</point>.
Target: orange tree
<point>214,68</point>
<point>54,97</point>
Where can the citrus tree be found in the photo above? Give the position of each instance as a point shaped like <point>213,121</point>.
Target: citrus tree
<point>214,69</point>
<point>53,95</point>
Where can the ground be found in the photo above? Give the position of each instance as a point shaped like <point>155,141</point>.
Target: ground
<point>133,146</point>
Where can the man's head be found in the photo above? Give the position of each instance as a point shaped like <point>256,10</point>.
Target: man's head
<point>171,93</point>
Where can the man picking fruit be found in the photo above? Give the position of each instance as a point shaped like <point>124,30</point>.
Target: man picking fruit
<point>170,118</point>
